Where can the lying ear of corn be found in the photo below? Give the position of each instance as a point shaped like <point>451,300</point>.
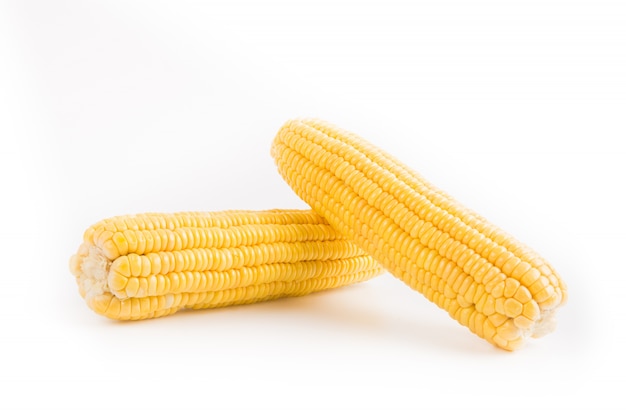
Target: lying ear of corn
<point>491,283</point>
<point>151,265</point>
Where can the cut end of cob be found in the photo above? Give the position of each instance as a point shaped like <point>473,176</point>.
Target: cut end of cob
<point>545,324</point>
<point>484,278</point>
<point>91,267</point>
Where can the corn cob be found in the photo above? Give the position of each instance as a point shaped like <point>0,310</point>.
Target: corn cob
<point>151,265</point>
<point>485,279</point>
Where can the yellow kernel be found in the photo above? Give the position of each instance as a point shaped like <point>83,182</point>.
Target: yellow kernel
<point>500,305</point>
<point>144,284</point>
<point>155,263</point>
<point>509,331</point>
<point>546,294</point>
<point>100,304</point>
<point>498,278</point>
<point>121,266</point>
<point>117,282</point>
<point>110,250</point>
<point>152,285</point>
<point>489,330</point>
<point>478,324</point>
<point>448,292</point>
<point>516,343</point>
<point>113,309</point>
<point>464,317</point>
<point>530,277</point>
<point>510,265</point>
<point>130,237</point>
<point>513,307</point>
<point>480,291</point>
<point>511,285</point>
<point>480,303</point>
<point>497,319</point>
<point>501,342</point>
<point>471,291</point>
<point>523,295</point>
<point>463,302</point>
<point>135,264</point>
<point>531,311</point>
<point>132,287</point>
<point>523,322</point>
<point>498,290</point>
<point>521,269</point>
<point>490,306</point>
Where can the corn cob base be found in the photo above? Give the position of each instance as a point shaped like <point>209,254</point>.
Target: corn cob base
<point>152,265</point>
<point>500,289</point>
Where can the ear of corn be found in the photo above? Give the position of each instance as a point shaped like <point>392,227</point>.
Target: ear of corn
<point>151,265</point>
<point>485,279</point>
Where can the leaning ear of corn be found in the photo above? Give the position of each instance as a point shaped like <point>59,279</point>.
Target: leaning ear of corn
<point>151,265</point>
<point>485,279</point>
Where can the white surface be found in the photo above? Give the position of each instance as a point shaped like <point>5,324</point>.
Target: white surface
<point>117,107</point>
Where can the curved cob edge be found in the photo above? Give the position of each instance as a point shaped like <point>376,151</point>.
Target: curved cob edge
<point>485,279</point>
<point>308,257</point>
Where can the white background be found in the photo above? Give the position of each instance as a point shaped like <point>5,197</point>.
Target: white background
<point>517,108</point>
